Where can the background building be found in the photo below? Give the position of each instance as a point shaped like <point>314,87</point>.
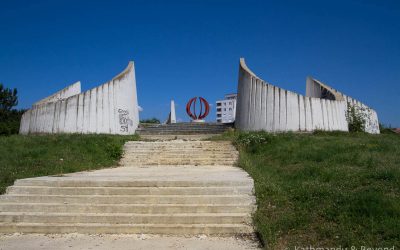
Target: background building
<point>226,109</point>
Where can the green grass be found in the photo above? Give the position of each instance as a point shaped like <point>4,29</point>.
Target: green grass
<point>324,189</point>
<point>30,156</point>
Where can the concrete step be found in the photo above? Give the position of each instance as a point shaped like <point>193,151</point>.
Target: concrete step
<point>99,182</point>
<point>202,129</point>
<point>188,159</point>
<point>173,163</point>
<point>178,132</point>
<point>43,190</point>
<point>183,143</point>
<point>125,208</point>
<point>123,218</point>
<point>185,156</point>
<point>206,148</point>
<point>130,199</point>
<point>183,152</point>
<point>182,127</point>
<point>176,162</point>
<point>98,228</point>
<point>173,154</point>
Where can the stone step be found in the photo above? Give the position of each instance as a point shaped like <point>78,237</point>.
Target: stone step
<point>180,150</point>
<point>121,182</point>
<point>205,156</point>
<point>180,142</point>
<point>171,126</point>
<point>164,162</point>
<point>188,158</point>
<point>125,208</point>
<point>124,218</point>
<point>177,132</point>
<point>190,124</point>
<point>182,147</point>
<point>195,129</point>
<point>130,199</point>
<point>185,147</point>
<point>98,228</point>
<point>173,161</point>
<point>183,151</point>
<point>129,190</point>
<point>222,148</point>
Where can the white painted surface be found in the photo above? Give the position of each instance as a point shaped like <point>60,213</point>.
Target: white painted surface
<point>315,88</point>
<point>71,90</point>
<point>173,114</point>
<point>111,108</point>
<point>284,110</point>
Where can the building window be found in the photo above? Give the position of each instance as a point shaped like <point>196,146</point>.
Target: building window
<point>218,104</point>
<point>218,115</point>
<point>230,109</point>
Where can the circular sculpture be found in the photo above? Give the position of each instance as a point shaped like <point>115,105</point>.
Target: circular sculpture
<point>191,108</point>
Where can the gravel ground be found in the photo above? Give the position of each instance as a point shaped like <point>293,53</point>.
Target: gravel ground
<point>121,242</point>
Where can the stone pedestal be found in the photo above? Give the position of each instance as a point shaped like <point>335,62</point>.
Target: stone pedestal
<point>199,121</point>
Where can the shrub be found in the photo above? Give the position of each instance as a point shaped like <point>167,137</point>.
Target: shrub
<point>151,120</point>
<point>249,139</point>
<point>356,118</point>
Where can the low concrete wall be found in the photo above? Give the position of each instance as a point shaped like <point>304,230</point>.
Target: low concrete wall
<point>111,108</point>
<point>262,106</point>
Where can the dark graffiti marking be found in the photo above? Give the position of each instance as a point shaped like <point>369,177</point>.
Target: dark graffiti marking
<point>124,120</point>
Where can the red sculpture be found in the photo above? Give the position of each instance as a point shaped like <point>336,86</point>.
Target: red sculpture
<point>192,103</point>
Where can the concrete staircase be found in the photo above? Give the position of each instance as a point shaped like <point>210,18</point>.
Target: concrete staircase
<point>178,199</point>
<point>184,130</point>
<point>179,152</point>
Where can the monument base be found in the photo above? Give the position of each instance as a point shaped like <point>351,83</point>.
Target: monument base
<point>199,121</point>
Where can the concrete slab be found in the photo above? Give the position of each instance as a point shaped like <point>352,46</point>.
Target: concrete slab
<point>122,242</point>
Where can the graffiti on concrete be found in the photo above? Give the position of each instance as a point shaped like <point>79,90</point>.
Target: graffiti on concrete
<point>124,120</point>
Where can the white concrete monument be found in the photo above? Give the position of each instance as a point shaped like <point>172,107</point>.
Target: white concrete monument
<point>172,115</point>
<point>111,108</point>
<point>263,106</point>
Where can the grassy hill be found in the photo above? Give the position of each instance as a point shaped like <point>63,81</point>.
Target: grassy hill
<point>324,189</point>
<point>29,156</point>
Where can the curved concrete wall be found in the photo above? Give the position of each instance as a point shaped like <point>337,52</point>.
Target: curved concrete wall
<point>111,108</point>
<point>262,106</point>
<point>318,89</point>
<point>71,90</point>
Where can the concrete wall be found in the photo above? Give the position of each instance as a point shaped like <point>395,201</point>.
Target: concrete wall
<point>71,90</point>
<point>318,89</point>
<point>262,106</point>
<point>111,108</point>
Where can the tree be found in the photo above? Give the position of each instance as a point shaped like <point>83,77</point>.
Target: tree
<point>9,118</point>
<point>8,98</point>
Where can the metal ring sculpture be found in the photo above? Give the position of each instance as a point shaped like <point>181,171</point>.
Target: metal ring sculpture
<point>192,103</point>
